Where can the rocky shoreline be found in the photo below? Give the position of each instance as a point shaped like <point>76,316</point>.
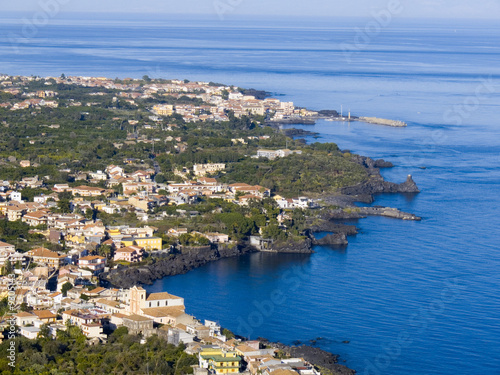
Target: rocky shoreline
<point>318,357</point>
<point>331,220</point>
<point>175,264</point>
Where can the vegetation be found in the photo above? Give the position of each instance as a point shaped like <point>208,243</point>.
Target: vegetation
<point>70,354</point>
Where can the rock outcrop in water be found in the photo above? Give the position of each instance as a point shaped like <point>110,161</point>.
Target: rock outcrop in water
<point>293,246</point>
<point>377,185</point>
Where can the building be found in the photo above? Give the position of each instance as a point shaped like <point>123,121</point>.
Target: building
<point>217,237</point>
<point>137,324</point>
<point>45,316</point>
<point>94,263</point>
<point>25,318</point>
<point>148,243</point>
<point>130,254</point>
<point>36,218</point>
<point>30,332</point>
<point>273,154</point>
<point>88,191</point>
<point>203,169</point>
<point>6,250</point>
<point>163,110</point>
<point>139,300</point>
<point>46,257</point>
<point>219,361</point>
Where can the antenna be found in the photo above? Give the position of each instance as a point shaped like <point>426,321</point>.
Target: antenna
<point>341,107</point>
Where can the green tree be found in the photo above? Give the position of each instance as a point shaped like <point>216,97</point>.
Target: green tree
<point>89,214</point>
<point>66,287</point>
<point>8,267</point>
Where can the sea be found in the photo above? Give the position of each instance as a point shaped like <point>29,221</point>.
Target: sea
<point>403,297</point>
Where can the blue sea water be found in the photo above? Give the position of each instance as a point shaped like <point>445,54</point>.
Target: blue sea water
<point>410,297</point>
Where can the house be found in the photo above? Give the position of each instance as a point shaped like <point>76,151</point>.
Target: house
<point>36,218</point>
<point>273,154</point>
<point>219,361</point>
<point>203,169</point>
<point>113,307</point>
<point>30,332</point>
<point>45,316</point>
<point>56,298</point>
<point>6,250</point>
<point>15,211</point>
<point>216,237</point>
<point>25,318</point>
<point>114,170</point>
<point>177,231</point>
<point>257,190</point>
<point>92,330</point>
<point>16,196</point>
<point>198,330</point>
<point>59,188</point>
<point>94,263</point>
<point>44,256</point>
<point>78,317</point>
<point>130,254</point>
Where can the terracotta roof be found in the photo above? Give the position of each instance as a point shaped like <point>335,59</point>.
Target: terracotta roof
<point>44,314</point>
<point>43,252</point>
<point>24,314</point>
<point>108,302</point>
<point>137,318</point>
<point>161,296</point>
<point>158,312</point>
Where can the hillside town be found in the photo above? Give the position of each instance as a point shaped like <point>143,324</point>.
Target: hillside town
<point>217,99</point>
<point>99,177</point>
<point>97,312</point>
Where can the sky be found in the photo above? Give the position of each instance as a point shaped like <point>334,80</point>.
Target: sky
<point>215,8</point>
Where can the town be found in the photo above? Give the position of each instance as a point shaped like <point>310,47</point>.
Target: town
<point>98,175</point>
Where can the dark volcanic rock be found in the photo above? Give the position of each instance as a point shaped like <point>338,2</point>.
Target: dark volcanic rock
<point>380,163</point>
<point>317,357</point>
<point>337,239</point>
<point>329,113</point>
<point>291,246</point>
<point>126,277</point>
<point>259,94</point>
<point>330,226</point>
<point>377,185</point>
<point>297,132</point>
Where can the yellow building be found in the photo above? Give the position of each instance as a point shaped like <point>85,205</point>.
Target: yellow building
<point>148,243</point>
<point>73,238</point>
<point>218,361</point>
<point>163,110</point>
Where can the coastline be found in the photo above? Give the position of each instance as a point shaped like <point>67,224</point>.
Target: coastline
<point>311,120</point>
<point>341,208</point>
